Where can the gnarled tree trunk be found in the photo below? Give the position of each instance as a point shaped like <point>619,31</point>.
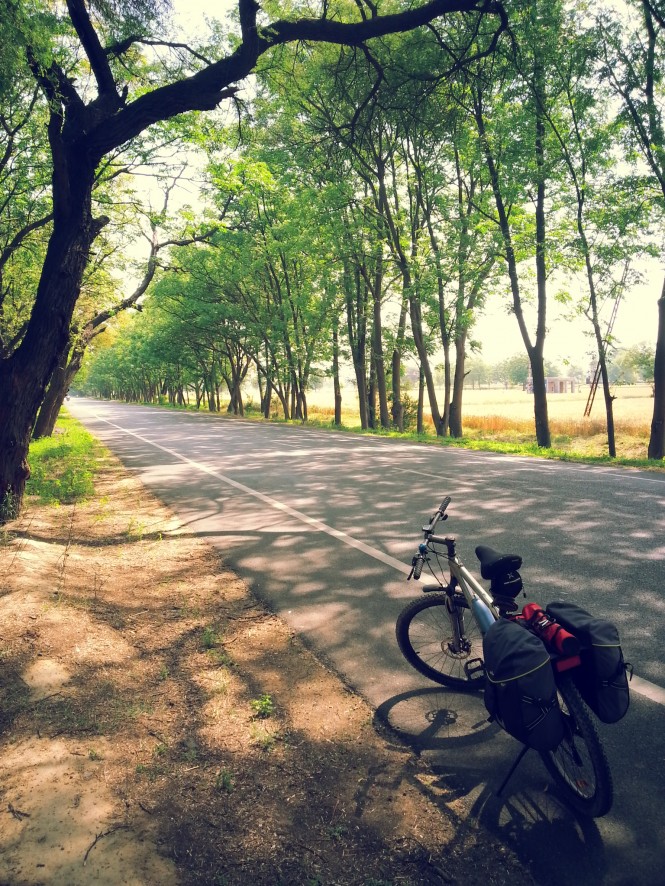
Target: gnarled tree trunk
<point>25,375</point>
<point>657,438</point>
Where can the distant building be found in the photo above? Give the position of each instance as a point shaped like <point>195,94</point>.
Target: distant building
<point>555,384</point>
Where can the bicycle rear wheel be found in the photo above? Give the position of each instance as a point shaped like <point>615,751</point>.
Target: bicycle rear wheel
<point>579,765</point>
<point>439,637</point>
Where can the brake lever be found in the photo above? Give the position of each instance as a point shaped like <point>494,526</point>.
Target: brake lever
<point>413,567</point>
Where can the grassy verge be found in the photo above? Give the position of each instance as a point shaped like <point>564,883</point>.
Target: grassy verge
<point>63,466</point>
<point>577,441</point>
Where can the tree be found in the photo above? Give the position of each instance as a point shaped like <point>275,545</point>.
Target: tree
<point>25,211</point>
<point>607,207</point>
<point>478,372</point>
<point>446,180</point>
<point>344,109</point>
<point>93,322</point>
<point>514,370</point>
<point>417,244</point>
<point>634,65</point>
<point>93,115</point>
<point>258,294</point>
<point>635,363</point>
<point>513,94</point>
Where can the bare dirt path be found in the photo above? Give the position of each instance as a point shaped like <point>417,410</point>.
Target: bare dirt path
<point>158,726</point>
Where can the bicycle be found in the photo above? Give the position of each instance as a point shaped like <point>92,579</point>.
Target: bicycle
<point>441,635</point>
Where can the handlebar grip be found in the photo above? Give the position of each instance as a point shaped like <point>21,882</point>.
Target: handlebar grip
<point>444,504</point>
<point>418,567</point>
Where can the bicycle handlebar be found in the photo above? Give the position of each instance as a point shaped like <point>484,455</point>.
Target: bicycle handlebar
<point>420,558</point>
<point>439,515</point>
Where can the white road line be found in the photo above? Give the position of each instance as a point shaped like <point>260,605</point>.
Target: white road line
<point>650,690</point>
<point>280,506</point>
<point>638,684</point>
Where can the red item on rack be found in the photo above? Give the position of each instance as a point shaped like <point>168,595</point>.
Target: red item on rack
<point>551,632</point>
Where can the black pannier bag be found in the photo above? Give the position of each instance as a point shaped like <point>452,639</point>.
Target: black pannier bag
<point>520,693</point>
<point>601,677</point>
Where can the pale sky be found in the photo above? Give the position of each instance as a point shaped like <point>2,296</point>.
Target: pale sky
<point>636,321</point>
<point>190,15</point>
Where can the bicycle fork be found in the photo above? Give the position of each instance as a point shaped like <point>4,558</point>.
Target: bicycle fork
<point>459,646</point>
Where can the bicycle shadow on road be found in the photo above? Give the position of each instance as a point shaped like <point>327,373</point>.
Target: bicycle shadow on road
<point>557,846</point>
<point>434,718</point>
<point>468,759</point>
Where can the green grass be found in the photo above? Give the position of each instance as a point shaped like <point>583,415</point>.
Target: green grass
<point>263,707</point>
<point>224,781</point>
<point>209,638</point>
<point>62,467</point>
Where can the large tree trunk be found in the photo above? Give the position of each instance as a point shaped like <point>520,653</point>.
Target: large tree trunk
<point>536,359</point>
<point>657,439</point>
<point>421,348</point>
<point>371,391</point>
<point>25,375</point>
<point>420,417</point>
<point>396,369</point>
<point>601,347</point>
<point>337,388</point>
<point>55,395</point>
<point>455,424</point>
<point>379,368</point>
<point>356,317</point>
<point>541,417</point>
<point>61,381</point>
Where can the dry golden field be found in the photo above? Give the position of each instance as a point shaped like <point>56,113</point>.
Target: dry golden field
<point>506,415</point>
<point>633,403</point>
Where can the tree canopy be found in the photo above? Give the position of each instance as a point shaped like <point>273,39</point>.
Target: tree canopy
<point>392,168</point>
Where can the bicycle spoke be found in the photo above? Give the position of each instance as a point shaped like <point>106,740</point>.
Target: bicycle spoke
<point>446,648</point>
<point>579,765</point>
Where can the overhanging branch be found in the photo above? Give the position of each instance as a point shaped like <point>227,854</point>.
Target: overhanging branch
<point>355,33</point>
<point>204,90</point>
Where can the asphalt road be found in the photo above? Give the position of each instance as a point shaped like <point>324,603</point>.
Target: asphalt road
<point>322,525</point>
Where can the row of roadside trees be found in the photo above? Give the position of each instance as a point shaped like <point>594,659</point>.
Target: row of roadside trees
<point>380,200</point>
<point>390,173</point>
<point>138,368</point>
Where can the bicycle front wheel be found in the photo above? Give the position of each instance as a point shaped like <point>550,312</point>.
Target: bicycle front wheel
<point>439,637</point>
<point>579,765</point>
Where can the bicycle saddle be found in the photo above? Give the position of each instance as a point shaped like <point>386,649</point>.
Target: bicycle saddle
<point>493,564</point>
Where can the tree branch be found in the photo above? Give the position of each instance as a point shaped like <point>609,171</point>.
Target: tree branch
<point>204,90</point>
<point>20,236</point>
<point>355,33</point>
<point>118,49</point>
<point>93,48</point>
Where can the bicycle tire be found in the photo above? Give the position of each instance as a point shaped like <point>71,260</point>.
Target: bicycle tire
<point>579,765</point>
<point>424,634</point>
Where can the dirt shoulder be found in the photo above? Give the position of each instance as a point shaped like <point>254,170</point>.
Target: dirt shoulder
<point>158,726</point>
